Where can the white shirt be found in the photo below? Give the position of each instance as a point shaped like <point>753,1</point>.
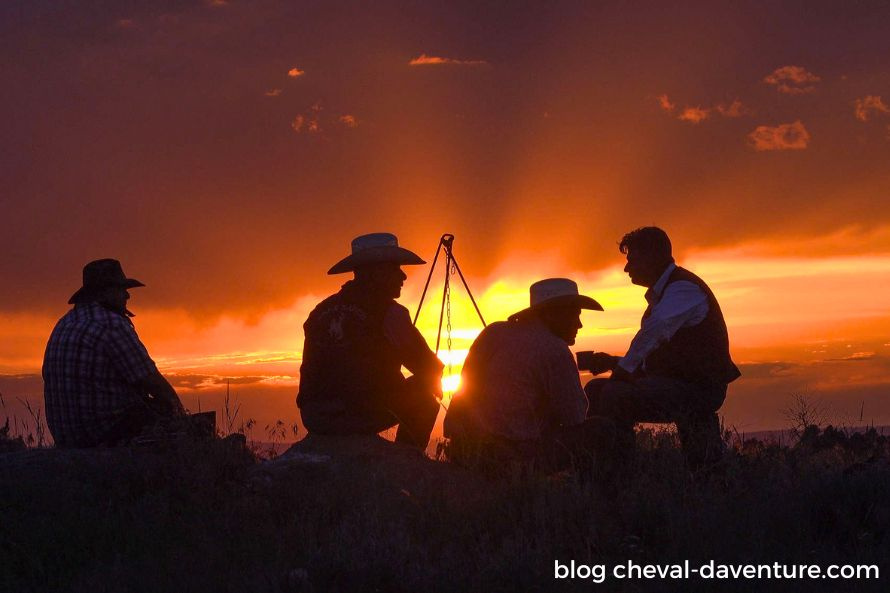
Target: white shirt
<point>682,304</point>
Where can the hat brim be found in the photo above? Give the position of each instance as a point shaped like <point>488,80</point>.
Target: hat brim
<point>377,255</point>
<point>88,293</point>
<point>567,300</point>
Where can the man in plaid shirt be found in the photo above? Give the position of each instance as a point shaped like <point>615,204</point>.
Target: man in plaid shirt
<point>100,385</point>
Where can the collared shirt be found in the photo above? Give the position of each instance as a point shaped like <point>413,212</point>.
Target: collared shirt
<point>681,304</point>
<point>521,381</point>
<point>91,367</point>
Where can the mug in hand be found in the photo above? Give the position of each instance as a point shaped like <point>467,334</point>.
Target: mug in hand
<point>585,360</point>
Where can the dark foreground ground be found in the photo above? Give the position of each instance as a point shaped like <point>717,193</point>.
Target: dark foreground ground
<point>366,515</point>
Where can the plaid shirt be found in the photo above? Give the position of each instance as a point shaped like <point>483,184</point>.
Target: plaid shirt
<point>93,362</point>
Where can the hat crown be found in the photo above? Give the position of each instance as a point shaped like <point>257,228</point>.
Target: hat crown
<point>375,248</point>
<point>372,240</point>
<point>551,288</point>
<point>103,272</point>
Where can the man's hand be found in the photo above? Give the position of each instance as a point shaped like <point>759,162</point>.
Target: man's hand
<point>158,387</point>
<point>597,362</point>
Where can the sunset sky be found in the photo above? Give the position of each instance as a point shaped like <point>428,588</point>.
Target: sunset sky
<point>228,151</point>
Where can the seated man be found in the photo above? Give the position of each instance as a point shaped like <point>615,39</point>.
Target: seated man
<point>678,365</point>
<point>357,341</point>
<point>100,385</point>
<point>521,396</point>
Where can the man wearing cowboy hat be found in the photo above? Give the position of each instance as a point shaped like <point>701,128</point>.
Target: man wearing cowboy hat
<point>678,365</point>
<point>100,385</point>
<point>521,394</point>
<point>356,343</point>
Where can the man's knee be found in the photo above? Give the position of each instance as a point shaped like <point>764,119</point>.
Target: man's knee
<point>606,397</point>
<point>594,389</point>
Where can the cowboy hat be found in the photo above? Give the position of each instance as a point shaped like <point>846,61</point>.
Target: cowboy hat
<point>99,275</point>
<point>556,292</point>
<point>375,248</point>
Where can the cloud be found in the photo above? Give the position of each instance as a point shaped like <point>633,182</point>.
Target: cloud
<point>349,121</point>
<point>425,60</point>
<point>314,121</point>
<point>694,115</point>
<point>734,109</point>
<point>295,72</point>
<point>125,23</point>
<point>793,136</point>
<point>200,381</point>
<point>273,92</point>
<point>665,103</point>
<point>302,123</point>
<point>856,356</point>
<point>792,80</point>
<point>868,106</point>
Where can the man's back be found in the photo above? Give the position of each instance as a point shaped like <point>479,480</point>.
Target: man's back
<point>92,363</point>
<point>520,380</point>
<point>346,357</point>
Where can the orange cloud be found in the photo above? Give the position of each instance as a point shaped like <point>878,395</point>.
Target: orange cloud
<point>273,92</point>
<point>125,23</point>
<point>425,60</point>
<point>734,109</point>
<point>349,121</point>
<point>694,115</point>
<point>868,106</point>
<point>665,103</point>
<point>793,136</point>
<point>295,72</point>
<point>792,80</point>
<point>297,124</point>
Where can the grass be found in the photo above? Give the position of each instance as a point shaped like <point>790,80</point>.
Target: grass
<point>208,517</point>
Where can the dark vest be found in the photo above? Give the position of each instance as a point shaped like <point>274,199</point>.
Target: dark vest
<point>347,359</point>
<point>698,354</point>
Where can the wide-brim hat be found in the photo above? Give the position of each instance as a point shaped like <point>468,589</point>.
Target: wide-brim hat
<point>376,248</point>
<point>556,292</point>
<point>99,275</point>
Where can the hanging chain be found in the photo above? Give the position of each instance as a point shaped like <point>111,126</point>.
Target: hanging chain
<point>448,314</point>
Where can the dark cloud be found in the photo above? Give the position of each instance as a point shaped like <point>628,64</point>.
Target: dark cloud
<point>203,381</point>
<point>156,143</point>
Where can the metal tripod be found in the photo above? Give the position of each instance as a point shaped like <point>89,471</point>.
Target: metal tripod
<point>445,244</point>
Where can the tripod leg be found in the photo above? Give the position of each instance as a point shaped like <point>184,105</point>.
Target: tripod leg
<point>428,278</point>
<point>467,286</point>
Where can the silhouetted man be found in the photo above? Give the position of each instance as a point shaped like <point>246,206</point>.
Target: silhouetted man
<point>521,396</point>
<point>357,341</point>
<point>100,385</point>
<point>678,365</point>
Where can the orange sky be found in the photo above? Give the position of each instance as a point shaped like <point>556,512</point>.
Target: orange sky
<point>228,152</point>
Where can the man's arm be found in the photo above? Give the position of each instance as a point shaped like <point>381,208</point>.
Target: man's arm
<point>158,387</point>
<point>565,396</point>
<point>129,356</point>
<point>683,303</point>
<point>416,356</point>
